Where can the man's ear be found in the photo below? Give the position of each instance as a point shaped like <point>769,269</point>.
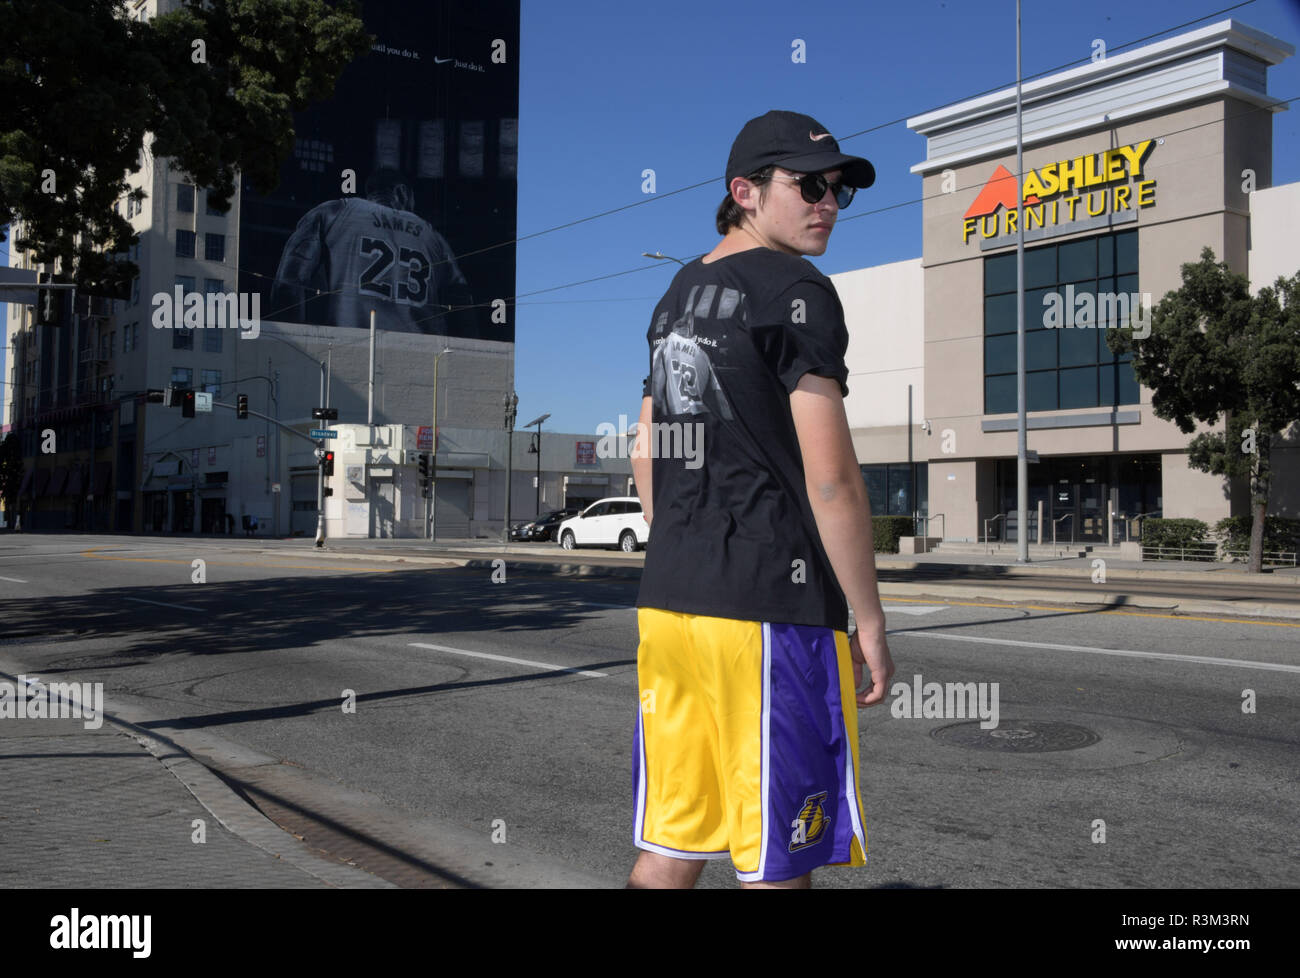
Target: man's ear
<point>745,193</point>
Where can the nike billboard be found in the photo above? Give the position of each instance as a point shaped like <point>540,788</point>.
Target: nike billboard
<point>400,195</point>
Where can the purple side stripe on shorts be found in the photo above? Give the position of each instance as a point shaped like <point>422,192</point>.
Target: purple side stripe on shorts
<point>808,755</point>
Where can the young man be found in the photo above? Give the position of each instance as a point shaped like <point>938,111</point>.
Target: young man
<point>746,743</point>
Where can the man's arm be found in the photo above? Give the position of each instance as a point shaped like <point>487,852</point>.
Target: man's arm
<point>838,497</point>
<point>300,260</point>
<point>642,463</point>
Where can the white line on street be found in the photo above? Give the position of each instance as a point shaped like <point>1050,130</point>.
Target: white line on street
<point>1203,660</point>
<point>913,609</point>
<point>162,604</point>
<point>505,658</point>
<point>16,580</point>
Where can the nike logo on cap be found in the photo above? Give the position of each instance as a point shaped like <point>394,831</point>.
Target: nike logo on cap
<point>824,135</point>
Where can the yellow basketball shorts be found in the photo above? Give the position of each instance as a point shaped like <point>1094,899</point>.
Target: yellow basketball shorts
<point>746,745</point>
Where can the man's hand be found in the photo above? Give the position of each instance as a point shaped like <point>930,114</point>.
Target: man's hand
<point>870,649</point>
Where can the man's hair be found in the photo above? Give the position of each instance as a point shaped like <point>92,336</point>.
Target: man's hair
<point>730,214</point>
<point>387,186</point>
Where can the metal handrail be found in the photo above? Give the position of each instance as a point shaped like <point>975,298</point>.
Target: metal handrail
<point>1067,516</point>
<point>986,526</point>
<point>1140,517</point>
<point>925,530</point>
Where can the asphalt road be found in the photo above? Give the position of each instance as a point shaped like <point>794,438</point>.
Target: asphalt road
<point>489,706</point>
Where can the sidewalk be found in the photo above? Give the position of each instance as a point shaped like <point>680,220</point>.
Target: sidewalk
<point>994,577</point>
<point>94,808</point>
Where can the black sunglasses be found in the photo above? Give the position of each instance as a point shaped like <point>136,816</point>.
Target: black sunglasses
<point>813,188</point>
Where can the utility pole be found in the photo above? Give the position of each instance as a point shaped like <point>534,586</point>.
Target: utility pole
<point>511,403</point>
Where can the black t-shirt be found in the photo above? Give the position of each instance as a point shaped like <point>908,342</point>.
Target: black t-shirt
<point>733,534</point>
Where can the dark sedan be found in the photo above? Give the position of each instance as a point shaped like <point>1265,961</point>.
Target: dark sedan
<point>544,528</point>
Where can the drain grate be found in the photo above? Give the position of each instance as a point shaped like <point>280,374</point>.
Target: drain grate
<point>1018,736</point>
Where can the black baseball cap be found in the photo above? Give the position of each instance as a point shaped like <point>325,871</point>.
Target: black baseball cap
<point>795,142</point>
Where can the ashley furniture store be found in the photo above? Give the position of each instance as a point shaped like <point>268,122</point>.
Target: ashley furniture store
<point>1132,165</point>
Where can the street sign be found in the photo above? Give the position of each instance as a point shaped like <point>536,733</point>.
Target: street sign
<point>203,402</point>
<point>323,433</point>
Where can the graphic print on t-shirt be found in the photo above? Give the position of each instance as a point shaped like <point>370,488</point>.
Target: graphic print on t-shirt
<point>683,378</point>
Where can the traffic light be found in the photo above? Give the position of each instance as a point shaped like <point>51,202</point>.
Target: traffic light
<point>241,406</point>
<point>327,463</point>
<point>187,403</point>
<point>426,465</point>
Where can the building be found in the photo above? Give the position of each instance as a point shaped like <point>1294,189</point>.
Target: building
<point>395,212</point>
<point>1133,164</point>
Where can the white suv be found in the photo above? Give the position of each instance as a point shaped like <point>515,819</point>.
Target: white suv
<point>615,522</point>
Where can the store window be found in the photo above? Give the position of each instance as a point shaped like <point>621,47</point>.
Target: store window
<point>1069,367</point>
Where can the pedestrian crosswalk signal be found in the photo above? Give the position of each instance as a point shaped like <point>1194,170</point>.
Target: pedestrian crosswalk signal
<point>327,463</point>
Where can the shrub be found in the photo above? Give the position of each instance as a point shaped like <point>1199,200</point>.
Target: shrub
<point>1280,533</point>
<point>1175,533</point>
<point>885,531</point>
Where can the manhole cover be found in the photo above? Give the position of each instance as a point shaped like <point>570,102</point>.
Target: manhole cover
<point>1018,736</point>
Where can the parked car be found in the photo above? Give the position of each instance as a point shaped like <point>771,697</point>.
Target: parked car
<point>545,527</point>
<point>615,522</point>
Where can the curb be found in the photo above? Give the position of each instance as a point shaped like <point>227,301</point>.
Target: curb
<point>1111,599</point>
<point>981,589</point>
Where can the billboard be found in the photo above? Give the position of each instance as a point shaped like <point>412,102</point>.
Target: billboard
<point>400,195</point>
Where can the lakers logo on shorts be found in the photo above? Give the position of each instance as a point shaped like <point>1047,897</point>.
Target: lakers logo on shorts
<point>810,824</point>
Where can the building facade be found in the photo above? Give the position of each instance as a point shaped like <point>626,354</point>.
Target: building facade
<point>1133,164</point>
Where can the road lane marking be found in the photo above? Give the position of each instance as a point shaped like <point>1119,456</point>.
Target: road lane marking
<point>506,658</point>
<point>230,563</point>
<point>16,580</point>
<point>1196,659</point>
<point>161,604</point>
<point>1130,614</point>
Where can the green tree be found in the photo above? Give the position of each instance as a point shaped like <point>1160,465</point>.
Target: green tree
<point>11,475</point>
<point>1216,350</point>
<point>215,83</point>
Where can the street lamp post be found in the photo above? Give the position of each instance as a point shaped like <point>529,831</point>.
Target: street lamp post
<point>537,506</point>
<point>431,506</point>
<point>511,403</point>
<point>663,257</point>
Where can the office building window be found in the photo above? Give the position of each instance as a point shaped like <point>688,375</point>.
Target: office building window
<point>209,209</point>
<point>212,339</point>
<point>1065,366</point>
<point>214,247</point>
<point>183,376</point>
<point>184,244</point>
<point>211,381</point>
<point>185,197</point>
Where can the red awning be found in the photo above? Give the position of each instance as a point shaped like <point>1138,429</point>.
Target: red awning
<point>103,476</point>
<point>57,481</point>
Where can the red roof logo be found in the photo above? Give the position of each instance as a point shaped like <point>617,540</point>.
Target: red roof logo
<point>1000,191</point>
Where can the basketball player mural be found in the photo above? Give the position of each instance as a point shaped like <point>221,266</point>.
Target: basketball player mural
<point>352,255</point>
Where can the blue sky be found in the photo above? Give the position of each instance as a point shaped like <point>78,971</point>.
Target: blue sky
<point>610,90</point>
